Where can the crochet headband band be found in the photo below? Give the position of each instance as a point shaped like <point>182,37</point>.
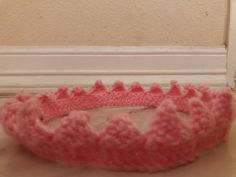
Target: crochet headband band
<point>168,142</point>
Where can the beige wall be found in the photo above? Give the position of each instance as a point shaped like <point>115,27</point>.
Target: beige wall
<point>113,22</point>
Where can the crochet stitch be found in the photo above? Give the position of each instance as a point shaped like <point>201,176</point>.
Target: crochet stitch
<point>120,145</point>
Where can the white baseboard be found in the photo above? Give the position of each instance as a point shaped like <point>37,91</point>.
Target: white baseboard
<point>40,68</point>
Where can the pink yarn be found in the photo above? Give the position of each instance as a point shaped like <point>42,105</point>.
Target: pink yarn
<point>168,142</point>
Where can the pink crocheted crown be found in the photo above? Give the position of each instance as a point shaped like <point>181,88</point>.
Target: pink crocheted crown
<point>120,145</point>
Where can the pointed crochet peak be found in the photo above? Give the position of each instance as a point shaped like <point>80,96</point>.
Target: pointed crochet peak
<point>167,127</point>
<point>74,131</point>
<point>97,87</point>
<point>136,87</point>
<point>156,88</point>
<point>75,119</point>
<point>118,86</point>
<point>195,104</point>
<point>31,126</point>
<point>77,91</point>
<point>30,109</point>
<point>205,93</point>
<point>174,89</point>
<point>167,107</point>
<point>82,115</point>
<point>35,111</point>
<point>202,121</point>
<point>222,107</point>
<point>197,109</point>
<point>189,91</point>
<point>223,100</point>
<point>225,95</point>
<point>120,132</point>
<point>44,97</point>
<point>12,106</point>
<point>23,96</point>
<point>202,88</point>
<point>62,92</point>
<point>10,101</point>
<point>117,119</point>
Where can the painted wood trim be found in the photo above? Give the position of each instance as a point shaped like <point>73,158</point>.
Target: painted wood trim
<point>45,68</point>
<point>110,50</point>
<point>231,55</point>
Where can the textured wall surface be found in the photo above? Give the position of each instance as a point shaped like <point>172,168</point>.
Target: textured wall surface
<point>113,22</point>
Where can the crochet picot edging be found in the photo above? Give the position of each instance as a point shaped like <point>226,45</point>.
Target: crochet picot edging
<point>120,145</point>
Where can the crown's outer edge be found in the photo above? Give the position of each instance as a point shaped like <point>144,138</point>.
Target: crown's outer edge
<point>210,111</point>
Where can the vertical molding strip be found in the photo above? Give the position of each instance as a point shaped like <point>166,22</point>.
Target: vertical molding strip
<point>231,54</point>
